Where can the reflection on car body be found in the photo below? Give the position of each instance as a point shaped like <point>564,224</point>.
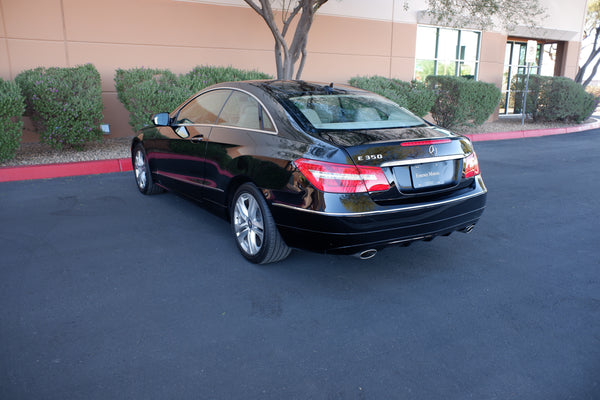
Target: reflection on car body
<point>318,167</point>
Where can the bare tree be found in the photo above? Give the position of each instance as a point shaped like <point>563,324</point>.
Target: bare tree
<point>591,33</point>
<point>288,53</point>
<point>484,14</point>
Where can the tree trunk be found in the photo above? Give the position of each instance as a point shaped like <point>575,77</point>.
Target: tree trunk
<point>286,56</point>
<point>594,54</point>
<point>278,62</point>
<point>592,74</point>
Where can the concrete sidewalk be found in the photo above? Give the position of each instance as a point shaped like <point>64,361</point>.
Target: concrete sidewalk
<point>46,171</point>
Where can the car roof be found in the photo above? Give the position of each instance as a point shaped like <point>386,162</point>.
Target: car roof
<point>292,88</point>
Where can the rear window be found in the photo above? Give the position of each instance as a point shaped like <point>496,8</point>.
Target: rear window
<point>353,111</point>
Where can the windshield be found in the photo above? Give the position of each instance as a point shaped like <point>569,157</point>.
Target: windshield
<point>353,111</point>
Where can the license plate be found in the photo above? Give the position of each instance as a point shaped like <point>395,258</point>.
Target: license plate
<point>432,174</point>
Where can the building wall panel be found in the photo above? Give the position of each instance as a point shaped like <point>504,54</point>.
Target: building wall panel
<point>33,19</point>
<point>341,67</point>
<point>117,116</point>
<point>5,69</point>
<point>404,40</point>
<point>335,35</point>
<point>403,68</point>
<point>165,23</point>
<point>27,54</point>
<point>491,59</point>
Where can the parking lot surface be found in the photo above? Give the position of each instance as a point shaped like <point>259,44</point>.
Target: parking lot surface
<point>108,294</point>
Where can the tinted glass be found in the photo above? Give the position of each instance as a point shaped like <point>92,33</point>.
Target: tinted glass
<point>447,47</point>
<point>244,111</point>
<point>444,51</point>
<point>349,111</point>
<point>204,109</point>
<point>426,42</point>
<point>469,46</point>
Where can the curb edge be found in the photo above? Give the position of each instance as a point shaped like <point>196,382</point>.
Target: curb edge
<point>46,171</point>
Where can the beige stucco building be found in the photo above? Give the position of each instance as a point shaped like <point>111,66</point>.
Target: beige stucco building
<point>348,38</point>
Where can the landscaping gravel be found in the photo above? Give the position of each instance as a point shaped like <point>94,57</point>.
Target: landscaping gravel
<point>111,148</point>
<point>39,153</point>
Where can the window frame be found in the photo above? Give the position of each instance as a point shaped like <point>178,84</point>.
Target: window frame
<point>458,62</point>
<point>263,108</point>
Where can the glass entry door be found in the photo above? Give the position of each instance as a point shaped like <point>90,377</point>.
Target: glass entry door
<point>514,64</point>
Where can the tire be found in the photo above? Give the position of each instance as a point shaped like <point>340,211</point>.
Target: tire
<point>253,227</point>
<point>141,171</point>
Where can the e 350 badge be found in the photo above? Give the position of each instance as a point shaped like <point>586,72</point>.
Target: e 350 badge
<point>370,157</point>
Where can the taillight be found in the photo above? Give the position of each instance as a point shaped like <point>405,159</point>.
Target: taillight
<point>471,166</point>
<point>424,142</point>
<point>342,178</point>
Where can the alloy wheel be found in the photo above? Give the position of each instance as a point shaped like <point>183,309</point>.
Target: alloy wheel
<point>140,170</point>
<point>248,224</point>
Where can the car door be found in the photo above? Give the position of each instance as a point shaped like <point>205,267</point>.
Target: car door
<point>233,141</point>
<point>192,124</point>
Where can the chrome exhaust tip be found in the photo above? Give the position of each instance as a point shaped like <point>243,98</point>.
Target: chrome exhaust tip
<point>468,229</point>
<point>366,254</point>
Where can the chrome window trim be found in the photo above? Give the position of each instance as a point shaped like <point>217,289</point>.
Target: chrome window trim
<point>399,209</point>
<point>276,132</point>
<point>422,160</point>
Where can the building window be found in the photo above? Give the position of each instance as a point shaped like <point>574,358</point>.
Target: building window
<point>444,51</point>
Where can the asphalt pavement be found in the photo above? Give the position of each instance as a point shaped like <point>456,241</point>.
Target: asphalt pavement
<point>109,294</point>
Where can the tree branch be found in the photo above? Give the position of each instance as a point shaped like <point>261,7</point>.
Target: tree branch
<point>287,22</point>
<point>286,56</point>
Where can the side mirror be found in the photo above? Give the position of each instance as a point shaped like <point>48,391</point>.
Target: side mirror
<point>161,119</point>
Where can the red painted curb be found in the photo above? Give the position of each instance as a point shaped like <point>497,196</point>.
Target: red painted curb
<point>481,137</point>
<point>45,171</point>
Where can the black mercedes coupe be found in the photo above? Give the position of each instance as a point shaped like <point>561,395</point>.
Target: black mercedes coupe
<point>320,167</point>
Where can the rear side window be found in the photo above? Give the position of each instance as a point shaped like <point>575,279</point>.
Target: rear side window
<point>203,109</point>
<point>244,111</point>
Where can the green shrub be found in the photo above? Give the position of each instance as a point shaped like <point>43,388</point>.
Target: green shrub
<point>415,96</point>
<point>12,106</point>
<point>533,93</point>
<point>462,101</point>
<point>204,76</point>
<point>145,91</point>
<point>554,98</point>
<point>64,103</point>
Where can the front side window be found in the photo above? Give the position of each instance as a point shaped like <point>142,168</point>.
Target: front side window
<point>203,109</point>
<point>353,111</point>
<point>444,51</point>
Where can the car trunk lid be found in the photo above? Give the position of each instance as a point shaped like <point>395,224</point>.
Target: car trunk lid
<point>416,161</point>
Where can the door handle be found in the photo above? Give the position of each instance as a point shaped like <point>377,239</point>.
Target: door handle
<point>197,139</point>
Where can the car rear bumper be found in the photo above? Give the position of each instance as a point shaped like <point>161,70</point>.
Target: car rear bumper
<point>352,232</point>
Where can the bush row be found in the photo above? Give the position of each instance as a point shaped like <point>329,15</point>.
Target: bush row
<point>461,101</point>
<point>65,104</point>
<point>12,106</point>
<point>553,98</point>
<point>145,91</point>
<point>414,96</point>
<point>451,100</point>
